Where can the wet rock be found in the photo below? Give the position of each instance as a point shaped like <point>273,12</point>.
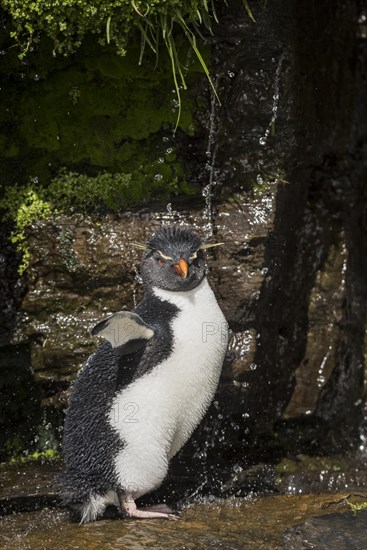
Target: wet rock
<point>258,479</point>
<point>347,531</point>
<point>205,522</point>
<point>29,479</point>
<point>312,474</point>
<point>324,316</point>
<point>28,487</point>
<point>83,269</point>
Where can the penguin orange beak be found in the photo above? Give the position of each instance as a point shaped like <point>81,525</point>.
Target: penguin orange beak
<point>182,268</point>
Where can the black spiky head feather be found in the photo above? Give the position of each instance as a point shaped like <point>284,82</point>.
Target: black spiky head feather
<point>173,260</point>
<point>175,241</point>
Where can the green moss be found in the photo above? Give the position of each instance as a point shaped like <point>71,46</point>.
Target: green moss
<point>357,507</point>
<point>37,456</point>
<point>85,115</point>
<point>24,206</point>
<point>158,22</point>
<point>77,116</point>
<point>72,190</point>
<point>67,22</point>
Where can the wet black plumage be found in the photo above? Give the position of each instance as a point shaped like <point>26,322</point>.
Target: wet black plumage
<point>89,442</point>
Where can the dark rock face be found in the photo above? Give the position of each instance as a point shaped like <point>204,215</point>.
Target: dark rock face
<point>285,158</point>
<point>315,251</point>
<point>342,531</point>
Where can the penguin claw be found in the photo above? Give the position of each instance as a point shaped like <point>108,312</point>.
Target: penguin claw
<point>172,517</point>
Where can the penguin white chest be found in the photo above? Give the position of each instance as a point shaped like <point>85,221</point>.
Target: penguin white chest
<point>167,403</point>
<point>192,371</point>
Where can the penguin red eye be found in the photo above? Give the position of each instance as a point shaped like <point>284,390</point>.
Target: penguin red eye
<point>160,261</point>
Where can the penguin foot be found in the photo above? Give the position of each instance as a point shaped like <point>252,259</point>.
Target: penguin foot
<point>160,508</point>
<point>148,513</point>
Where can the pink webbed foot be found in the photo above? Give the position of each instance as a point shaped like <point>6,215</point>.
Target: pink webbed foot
<point>153,512</point>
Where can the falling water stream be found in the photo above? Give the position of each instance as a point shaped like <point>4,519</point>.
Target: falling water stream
<point>276,96</point>
<point>211,151</point>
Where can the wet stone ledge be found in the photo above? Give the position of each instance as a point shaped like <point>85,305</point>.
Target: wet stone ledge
<point>32,517</point>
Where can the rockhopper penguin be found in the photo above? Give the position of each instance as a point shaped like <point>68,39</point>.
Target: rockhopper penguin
<point>143,392</point>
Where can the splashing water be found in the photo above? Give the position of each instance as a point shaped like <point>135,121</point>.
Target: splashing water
<point>171,216</point>
<point>137,280</point>
<point>263,140</point>
<point>210,168</point>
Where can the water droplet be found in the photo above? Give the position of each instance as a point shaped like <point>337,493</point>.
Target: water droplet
<point>160,160</point>
<point>262,141</point>
<point>37,77</point>
<point>259,180</point>
<point>158,177</point>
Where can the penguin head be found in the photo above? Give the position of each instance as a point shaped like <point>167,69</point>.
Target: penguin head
<point>173,260</point>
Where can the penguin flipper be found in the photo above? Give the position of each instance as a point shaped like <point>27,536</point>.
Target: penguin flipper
<point>122,328</point>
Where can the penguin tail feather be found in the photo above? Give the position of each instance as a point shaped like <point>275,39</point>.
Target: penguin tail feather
<point>95,507</point>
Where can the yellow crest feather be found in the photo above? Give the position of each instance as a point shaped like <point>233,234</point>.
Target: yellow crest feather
<point>206,246</point>
<point>141,246</point>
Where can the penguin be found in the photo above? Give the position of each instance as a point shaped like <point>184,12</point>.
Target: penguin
<point>140,396</point>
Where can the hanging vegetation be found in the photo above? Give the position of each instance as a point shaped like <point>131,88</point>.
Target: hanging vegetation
<point>66,22</point>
